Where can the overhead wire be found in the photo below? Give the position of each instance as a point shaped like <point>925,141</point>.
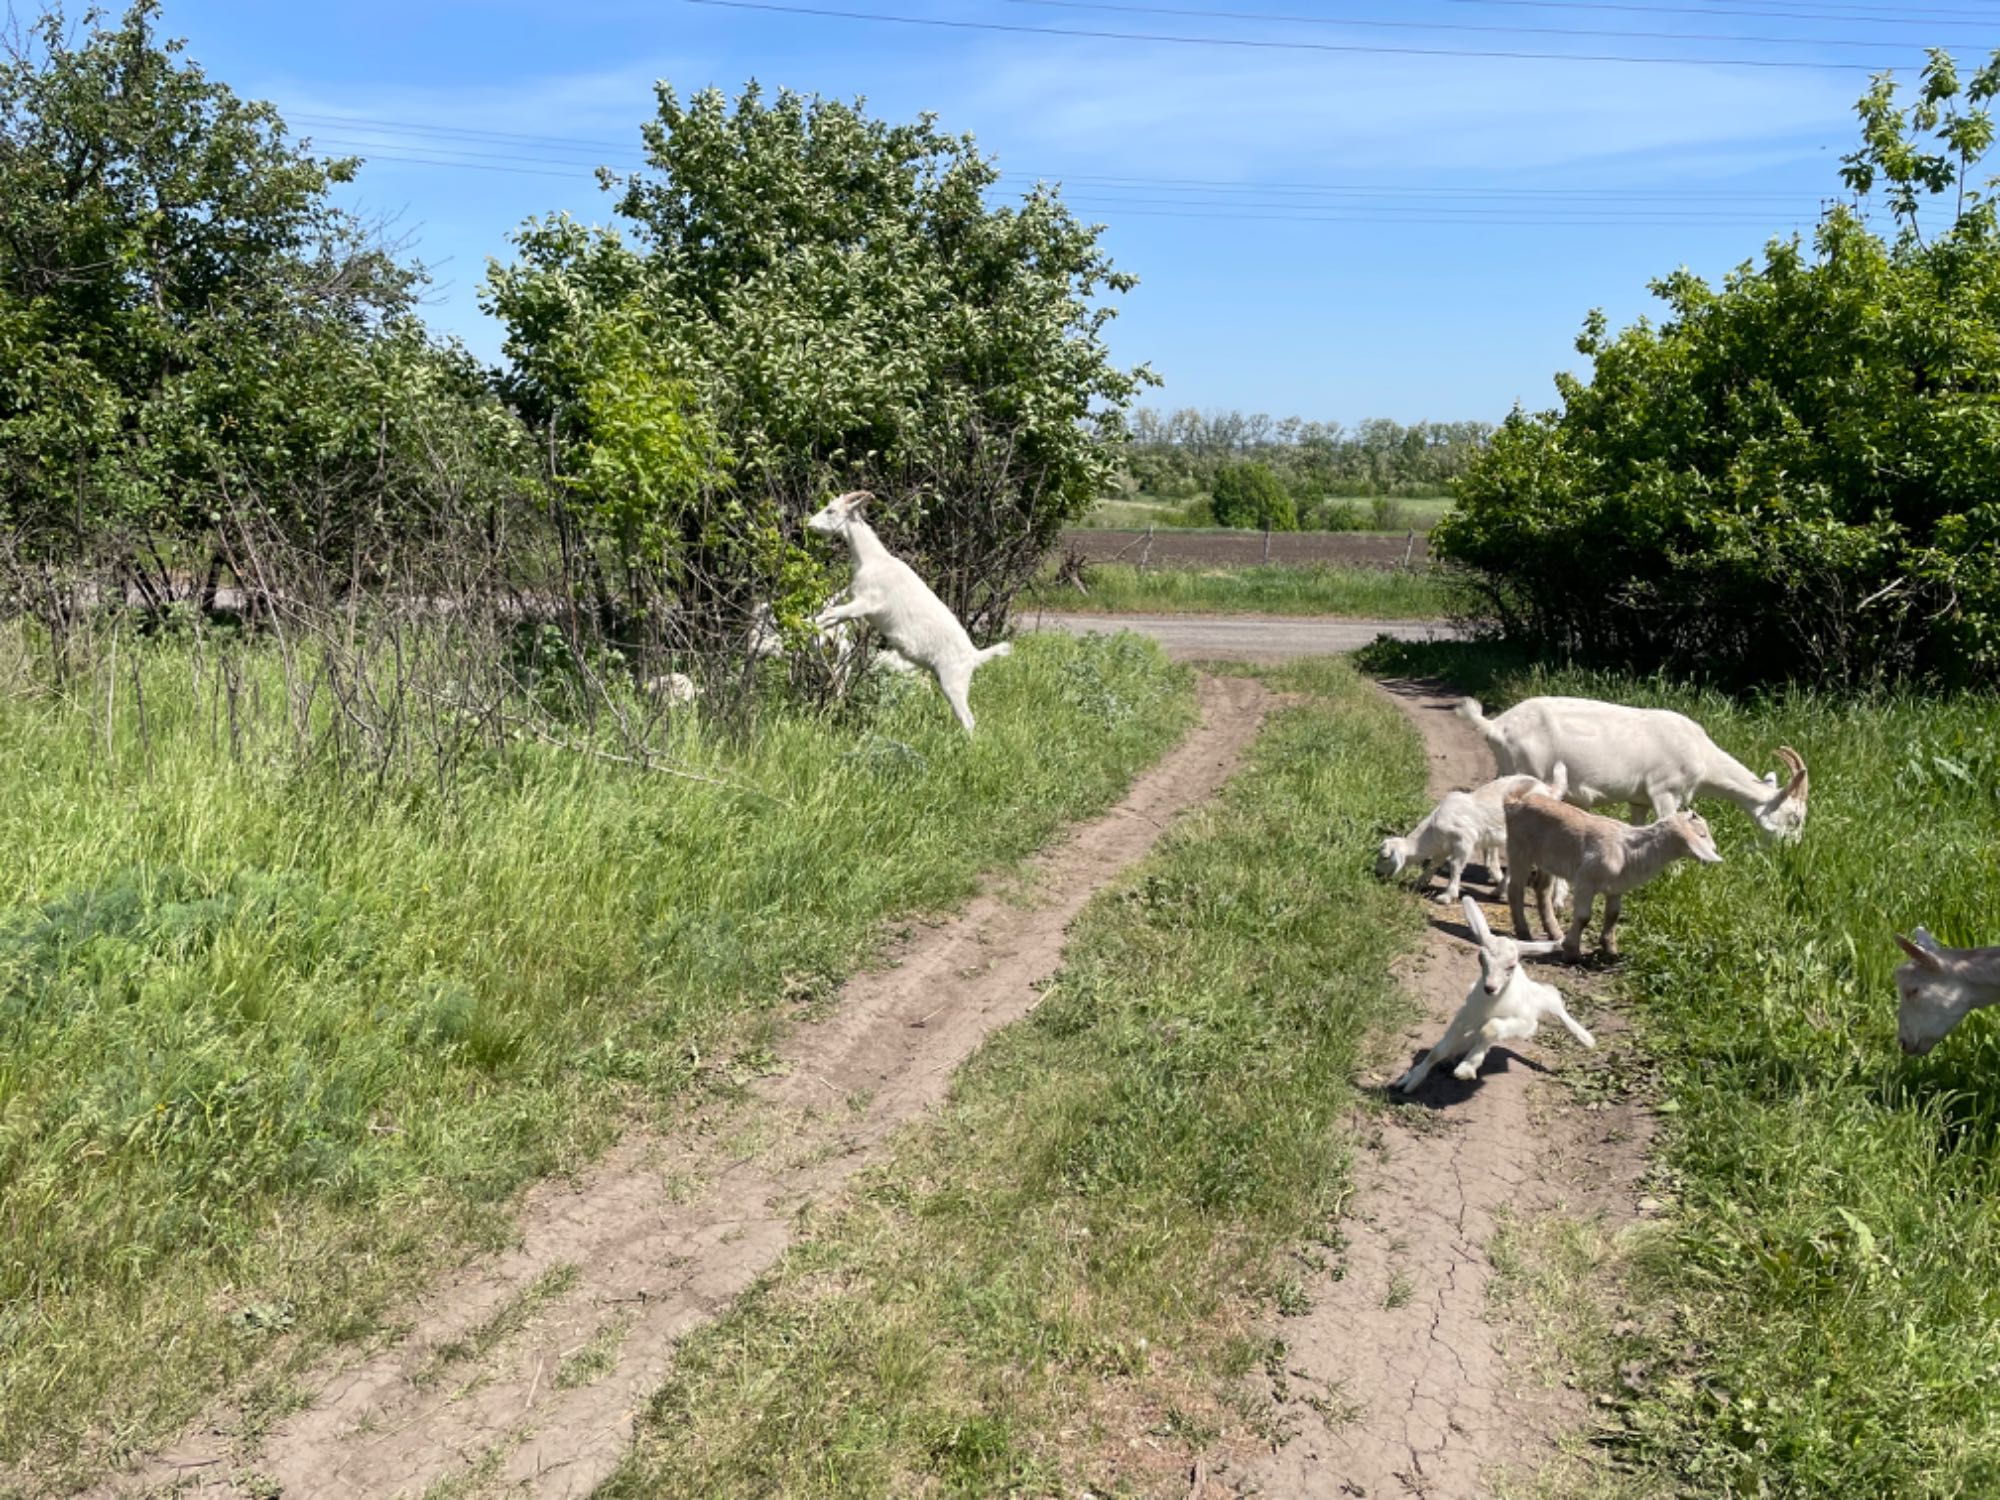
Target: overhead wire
<point>369,132</point>
<point>1761,9</point>
<point>520,153</point>
<point>1275,45</point>
<point>1292,18</point>
<point>1206,192</point>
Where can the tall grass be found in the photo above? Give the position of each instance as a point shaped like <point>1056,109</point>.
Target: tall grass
<point>1822,1312</point>
<point>1068,1255</point>
<point>271,1046</point>
<point>1316,589</point>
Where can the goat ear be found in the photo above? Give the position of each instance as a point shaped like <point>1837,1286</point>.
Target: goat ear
<point>1924,957</point>
<point>1476,920</point>
<point>1923,939</point>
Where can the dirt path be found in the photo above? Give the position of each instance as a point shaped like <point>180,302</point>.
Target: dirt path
<point>524,1373</point>
<point>1398,1384</point>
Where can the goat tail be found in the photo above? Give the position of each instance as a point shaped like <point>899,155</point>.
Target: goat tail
<point>1472,713</point>
<point>993,653</point>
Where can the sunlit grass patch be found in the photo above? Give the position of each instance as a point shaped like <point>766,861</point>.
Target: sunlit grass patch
<point>274,1046</point>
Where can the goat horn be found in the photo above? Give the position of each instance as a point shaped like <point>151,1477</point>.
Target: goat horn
<point>853,496</point>
<point>1796,764</point>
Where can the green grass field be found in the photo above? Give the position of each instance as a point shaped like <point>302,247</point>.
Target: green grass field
<point>1315,589</point>
<point>272,1048</point>
<point>1820,1313</point>
<point>1074,1250</point>
<point>1140,511</point>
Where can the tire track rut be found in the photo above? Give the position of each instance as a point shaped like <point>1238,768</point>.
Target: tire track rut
<point>662,1234</point>
<point>1400,1385</point>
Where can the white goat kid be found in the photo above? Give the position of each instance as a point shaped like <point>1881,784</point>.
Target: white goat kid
<point>1651,758</point>
<point>1939,987</point>
<point>765,641</point>
<point>1464,828</point>
<point>1549,841</point>
<point>1503,1005</point>
<point>888,594</point>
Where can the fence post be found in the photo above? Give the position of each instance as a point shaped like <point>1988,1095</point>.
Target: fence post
<point>1267,544</point>
<point>1410,551</point>
<point>1146,552</point>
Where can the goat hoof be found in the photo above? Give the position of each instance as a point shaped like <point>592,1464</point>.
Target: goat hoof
<point>1465,1072</point>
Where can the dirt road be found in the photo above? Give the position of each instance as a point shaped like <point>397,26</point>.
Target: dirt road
<point>1257,638</point>
<point>1401,1383</point>
<point>1397,1384</point>
<point>664,1233</point>
<point>1172,547</point>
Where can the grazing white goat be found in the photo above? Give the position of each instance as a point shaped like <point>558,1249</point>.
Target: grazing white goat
<point>888,594</point>
<point>1550,840</point>
<point>1648,757</point>
<point>1462,828</point>
<point>1939,987</point>
<point>1503,1005</point>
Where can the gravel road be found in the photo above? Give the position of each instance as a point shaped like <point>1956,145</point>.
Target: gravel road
<point>1172,547</point>
<point>1263,638</point>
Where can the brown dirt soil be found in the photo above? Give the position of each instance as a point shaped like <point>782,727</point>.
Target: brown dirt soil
<point>1354,549</point>
<point>1401,1380</point>
<point>662,1234</point>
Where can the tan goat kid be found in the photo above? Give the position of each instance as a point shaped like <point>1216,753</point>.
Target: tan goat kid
<point>1549,840</point>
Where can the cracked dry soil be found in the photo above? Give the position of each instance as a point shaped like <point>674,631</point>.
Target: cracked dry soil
<point>1399,1381</point>
<point>662,1234</point>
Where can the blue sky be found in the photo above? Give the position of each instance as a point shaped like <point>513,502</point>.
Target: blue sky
<point>1327,233</point>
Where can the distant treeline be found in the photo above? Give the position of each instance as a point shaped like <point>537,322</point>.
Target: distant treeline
<point>1178,454</point>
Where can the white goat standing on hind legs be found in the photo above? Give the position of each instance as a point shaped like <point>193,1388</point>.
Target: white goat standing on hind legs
<point>888,594</point>
<point>1503,1005</point>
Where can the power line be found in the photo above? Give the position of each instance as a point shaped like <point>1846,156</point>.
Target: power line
<point>1759,8</point>
<point>1278,46</point>
<point>1442,213</point>
<point>1692,206</point>
<point>1196,184</point>
<point>1561,215</point>
<point>373,135</point>
<point>1454,26</point>
<point>1441,223</point>
<point>564,141</point>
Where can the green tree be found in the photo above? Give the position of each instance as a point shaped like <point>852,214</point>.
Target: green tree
<point>192,334</point>
<point>1250,495</point>
<point>838,293</point>
<point>1793,475</point>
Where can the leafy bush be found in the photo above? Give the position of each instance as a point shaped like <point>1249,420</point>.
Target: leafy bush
<point>1332,515</point>
<point>191,331</point>
<point>838,294</point>
<point>1250,495</point>
<point>1793,476</point>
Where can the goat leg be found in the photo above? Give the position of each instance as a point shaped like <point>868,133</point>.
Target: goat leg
<point>1546,905</point>
<point>1608,937</point>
